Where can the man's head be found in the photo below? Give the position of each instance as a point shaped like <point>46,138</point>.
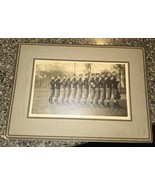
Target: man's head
<point>109,74</point>
<point>52,77</point>
<point>58,77</point>
<point>68,76</point>
<point>80,75</point>
<point>74,76</point>
<point>102,75</point>
<point>97,75</point>
<point>64,77</point>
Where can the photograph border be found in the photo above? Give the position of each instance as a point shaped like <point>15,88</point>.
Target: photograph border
<point>95,139</point>
<point>129,107</point>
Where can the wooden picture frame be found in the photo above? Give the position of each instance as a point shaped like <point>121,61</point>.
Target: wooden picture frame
<point>129,124</point>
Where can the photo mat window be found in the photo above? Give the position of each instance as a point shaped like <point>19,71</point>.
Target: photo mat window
<point>80,90</point>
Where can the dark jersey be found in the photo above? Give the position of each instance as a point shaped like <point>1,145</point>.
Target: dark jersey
<point>52,84</point>
<point>97,82</point>
<point>113,78</point>
<point>74,83</point>
<point>102,83</point>
<point>115,83</point>
<point>92,83</point>
<point>86,83</point>
<point>57,84</point>
<point>79,83</point>
<point>108,82</point>
<point>63,84</point>
<point>68,83</point>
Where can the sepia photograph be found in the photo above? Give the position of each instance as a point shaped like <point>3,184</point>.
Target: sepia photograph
<point>80,90</point>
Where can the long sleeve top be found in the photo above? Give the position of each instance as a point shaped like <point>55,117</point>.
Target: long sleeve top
<point>79,83</point>
<point>86,83</point>
<point>102,83</point>
<point>108,82</point>
<point>57,84</point>
<point>52,84</point>
<point>92,83</point>
<point>74,83</point>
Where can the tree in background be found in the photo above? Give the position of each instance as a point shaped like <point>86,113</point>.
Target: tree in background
<point>43,77</point>
<point>121,75</point>
<point>44,74</point>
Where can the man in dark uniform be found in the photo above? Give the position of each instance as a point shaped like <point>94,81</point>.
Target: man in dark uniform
<point>73,88</point>
<point>79,88</point>
<point>102,89</point>
<point>91,89</point>
<point>97,89</point>
<point>108,83</point>
<point>115,90</point>
<point>57,89</point>
<point>85,88</point>
<point>68,89</point>
<point>52,90</point>
<point>62,89</point>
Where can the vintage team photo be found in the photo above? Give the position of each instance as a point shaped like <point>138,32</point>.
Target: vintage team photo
<point>80,89</point>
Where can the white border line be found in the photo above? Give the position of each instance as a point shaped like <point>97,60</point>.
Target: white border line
<point>43,61</point>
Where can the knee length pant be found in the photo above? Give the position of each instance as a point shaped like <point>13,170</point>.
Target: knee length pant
<point>85,94</point>
<point>78,94</point>
<point>73,94</point>
<point>67,93</point>
<point>56,95</point>
<point>102,95</point>
<point>62,95</point>
<point>108,93</point>
<point>91,94</point>
<point>51,96</point>
<point>116,94</point>
<point>96,95</point>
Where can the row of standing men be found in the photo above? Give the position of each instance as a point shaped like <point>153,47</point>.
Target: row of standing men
<point>95,91</point>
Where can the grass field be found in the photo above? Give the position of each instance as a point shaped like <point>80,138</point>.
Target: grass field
<point>41,105</point>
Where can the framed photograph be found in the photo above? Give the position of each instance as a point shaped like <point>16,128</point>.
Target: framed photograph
<point>88,93</point>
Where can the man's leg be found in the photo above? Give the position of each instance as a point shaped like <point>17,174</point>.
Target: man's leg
<point>56,96</point>
<point>102,96</point>
<point>67,94</point>
<point>108,96</point>
<point>85,95</point>
<point>91,96</point>
<point>51,97</point>
<point>96,96</point>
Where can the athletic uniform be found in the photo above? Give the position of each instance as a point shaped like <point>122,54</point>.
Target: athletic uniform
<point>62,90</point>
<point>79,90</point>
<point>91,90</point>
<point>67,90</point>
<point>52,91</point>
<point>73,89</point>
<point>57,90</point>
<point>85,89</point>
<point>97,91</point>
<point>108,83</point>
<point>116,93</point>
<point>102,91</point>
